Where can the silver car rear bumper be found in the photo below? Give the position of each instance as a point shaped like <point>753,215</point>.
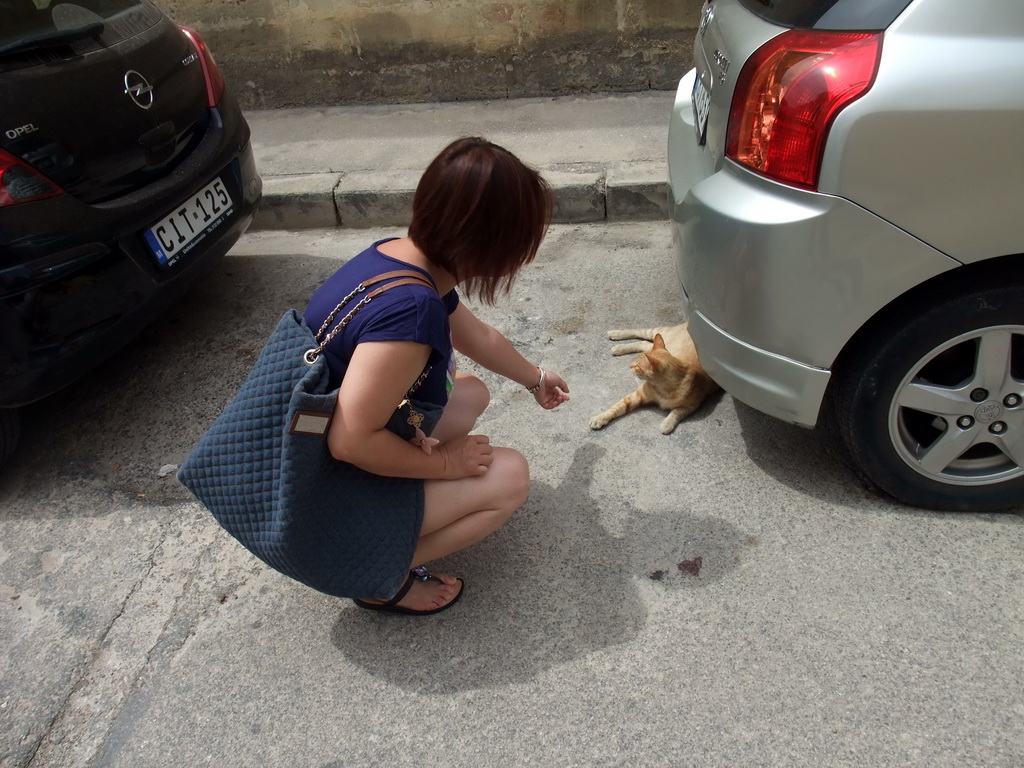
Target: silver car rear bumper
<point>777,279</point>
<point>776,385</point>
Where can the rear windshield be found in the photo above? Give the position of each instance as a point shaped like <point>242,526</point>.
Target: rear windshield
<point>828,14</point>
<point>40,24</point>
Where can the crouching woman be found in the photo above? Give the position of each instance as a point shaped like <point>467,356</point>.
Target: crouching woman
<point>479,216</point>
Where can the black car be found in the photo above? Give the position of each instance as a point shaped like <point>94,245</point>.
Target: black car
<point>125,173</point>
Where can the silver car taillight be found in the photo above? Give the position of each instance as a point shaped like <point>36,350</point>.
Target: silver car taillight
<point>789,93</point>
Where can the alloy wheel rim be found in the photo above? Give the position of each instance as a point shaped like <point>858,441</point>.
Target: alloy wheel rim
<point>957,417</point>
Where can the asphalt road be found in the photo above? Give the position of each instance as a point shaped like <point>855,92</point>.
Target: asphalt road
<point>727,595</point>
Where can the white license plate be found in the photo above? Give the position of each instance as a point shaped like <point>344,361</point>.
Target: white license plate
<point>701,107</point>
<point>189,224</point>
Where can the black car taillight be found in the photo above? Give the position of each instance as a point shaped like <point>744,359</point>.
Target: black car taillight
<point>788,95</point>
<point>20,183</point>
<point>211,72</point>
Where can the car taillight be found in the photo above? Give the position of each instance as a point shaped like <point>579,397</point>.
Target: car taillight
<point>788,94</point>
<point>20,183</point>
<point>211,72</point>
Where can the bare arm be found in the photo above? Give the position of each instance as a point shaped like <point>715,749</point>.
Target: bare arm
<point>487,346</point>
<point>378,377</point>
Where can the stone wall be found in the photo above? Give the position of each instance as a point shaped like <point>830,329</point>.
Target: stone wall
<point>283,53</point>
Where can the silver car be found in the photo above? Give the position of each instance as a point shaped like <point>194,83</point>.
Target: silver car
<point>848,203</point>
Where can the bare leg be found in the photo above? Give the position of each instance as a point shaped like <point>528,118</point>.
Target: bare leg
<point>458,513</point>
<point>468,399</point>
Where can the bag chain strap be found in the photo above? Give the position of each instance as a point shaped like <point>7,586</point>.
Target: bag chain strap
<point>311,355</point>
<point>409,278</point>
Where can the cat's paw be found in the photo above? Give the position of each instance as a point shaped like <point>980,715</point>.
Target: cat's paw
<point>598,421</point>
<point>631,347</point>
<point>668,426</point>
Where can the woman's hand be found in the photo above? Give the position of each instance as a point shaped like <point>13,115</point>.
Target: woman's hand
<point>553,392</point>
<point>466,456</point>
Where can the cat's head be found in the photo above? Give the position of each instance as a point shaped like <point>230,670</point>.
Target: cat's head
<point>657,363</point>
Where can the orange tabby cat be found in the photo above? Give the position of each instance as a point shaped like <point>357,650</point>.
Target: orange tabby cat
<point>670,375</point>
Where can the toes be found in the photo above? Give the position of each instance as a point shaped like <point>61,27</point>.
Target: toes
<point>443,589</point>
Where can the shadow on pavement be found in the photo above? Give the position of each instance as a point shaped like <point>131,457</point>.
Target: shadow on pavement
<point>802,459</point>
<point>552,586</point>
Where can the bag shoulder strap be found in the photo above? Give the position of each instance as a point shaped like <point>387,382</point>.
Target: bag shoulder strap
<point>396,278</point>
<point>416,277</point>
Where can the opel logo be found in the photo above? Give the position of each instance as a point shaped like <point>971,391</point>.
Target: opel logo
<point>706,16</point>
<point>136,86</point>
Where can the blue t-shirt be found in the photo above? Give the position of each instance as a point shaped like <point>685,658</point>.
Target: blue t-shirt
<point>406,313</point>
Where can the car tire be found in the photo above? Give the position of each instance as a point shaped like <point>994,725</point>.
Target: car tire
<point>10,428</point>
<point>930,404</point>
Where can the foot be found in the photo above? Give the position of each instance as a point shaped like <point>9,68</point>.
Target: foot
<point>436,592</point>
<point>424,595</point>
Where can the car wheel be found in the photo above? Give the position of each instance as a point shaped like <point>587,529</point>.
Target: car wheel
<point>931,407</point>
<point>10,427</point>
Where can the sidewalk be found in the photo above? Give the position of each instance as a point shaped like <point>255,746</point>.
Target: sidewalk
<point>353,167</point>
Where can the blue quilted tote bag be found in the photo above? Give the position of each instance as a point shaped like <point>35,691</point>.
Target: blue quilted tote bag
<point>265,472</point>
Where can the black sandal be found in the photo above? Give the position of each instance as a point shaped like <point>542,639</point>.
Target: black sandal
<point>391,606</point>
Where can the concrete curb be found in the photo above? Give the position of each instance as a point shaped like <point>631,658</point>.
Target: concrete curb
<point>361,199</point>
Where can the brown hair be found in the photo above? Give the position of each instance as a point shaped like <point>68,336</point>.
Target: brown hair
<point>480,214</point>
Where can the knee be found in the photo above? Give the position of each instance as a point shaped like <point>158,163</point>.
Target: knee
<point>477,396</point>
<point>516,480</point>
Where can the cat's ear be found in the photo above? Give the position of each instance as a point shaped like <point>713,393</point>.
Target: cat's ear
<point>659,343</point>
